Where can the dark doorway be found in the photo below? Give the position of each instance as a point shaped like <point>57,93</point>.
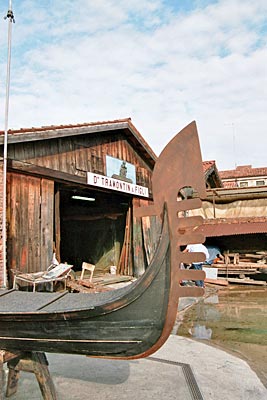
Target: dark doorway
<point>92,226</point>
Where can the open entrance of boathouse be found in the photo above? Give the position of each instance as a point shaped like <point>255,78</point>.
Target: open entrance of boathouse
<point>92,226</point>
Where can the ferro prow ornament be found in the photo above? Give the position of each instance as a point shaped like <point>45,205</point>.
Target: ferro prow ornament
<point>177,176</point>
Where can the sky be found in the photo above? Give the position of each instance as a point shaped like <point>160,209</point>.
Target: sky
<point>164,63</point>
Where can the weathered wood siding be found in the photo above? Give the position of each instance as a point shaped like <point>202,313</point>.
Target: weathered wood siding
<point>77,155</point>
<point>30,203</point>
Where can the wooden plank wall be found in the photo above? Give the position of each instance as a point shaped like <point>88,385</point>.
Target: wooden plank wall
<point>30,222</point>
<point>46,222</point>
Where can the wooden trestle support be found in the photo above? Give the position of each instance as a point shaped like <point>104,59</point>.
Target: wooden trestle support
<point>35,362</point>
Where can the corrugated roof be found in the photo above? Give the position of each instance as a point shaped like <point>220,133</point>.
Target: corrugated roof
<point>241,192</point>
<point>233,226</point>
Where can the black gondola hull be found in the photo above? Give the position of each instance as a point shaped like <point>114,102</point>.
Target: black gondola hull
<point>123,323</point>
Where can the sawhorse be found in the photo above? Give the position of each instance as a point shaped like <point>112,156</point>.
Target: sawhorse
<point>35,362</point>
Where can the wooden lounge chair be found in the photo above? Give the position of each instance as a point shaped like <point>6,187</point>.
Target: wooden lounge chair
<point>53,274</point>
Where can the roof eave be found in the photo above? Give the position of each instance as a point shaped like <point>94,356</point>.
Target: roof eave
<point>56,132</point>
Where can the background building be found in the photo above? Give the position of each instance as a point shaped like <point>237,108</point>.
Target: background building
<point>244,176</point>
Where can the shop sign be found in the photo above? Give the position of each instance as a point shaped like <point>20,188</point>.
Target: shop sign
<point>116,184</point>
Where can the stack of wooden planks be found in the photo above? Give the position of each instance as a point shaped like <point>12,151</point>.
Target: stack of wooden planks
<point>237,267</point>
<point>125,266</point>
<point>101,283</point>
<point>258,257</point>
<point>242,268</point>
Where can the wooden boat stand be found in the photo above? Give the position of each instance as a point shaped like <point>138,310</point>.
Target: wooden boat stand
<point>35,362</point>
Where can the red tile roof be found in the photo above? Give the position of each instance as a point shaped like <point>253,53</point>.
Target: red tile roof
<point>67,126</point>
<point>209,169</point>
<point>243,171</point>
<point>207,165</point>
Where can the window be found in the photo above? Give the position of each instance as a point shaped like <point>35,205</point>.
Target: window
<point>243,184</point>
<point>260,183</point>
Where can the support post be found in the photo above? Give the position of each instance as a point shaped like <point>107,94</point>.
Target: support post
<point>2,382</point>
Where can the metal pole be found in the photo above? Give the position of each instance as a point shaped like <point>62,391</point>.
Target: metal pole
<point>10,18</point>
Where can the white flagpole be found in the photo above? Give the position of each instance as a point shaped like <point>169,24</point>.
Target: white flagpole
<point>10,18</point>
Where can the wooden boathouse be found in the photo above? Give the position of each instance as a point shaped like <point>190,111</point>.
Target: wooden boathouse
<point>72,190</point>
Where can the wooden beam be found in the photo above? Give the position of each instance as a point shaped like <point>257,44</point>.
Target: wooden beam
<point>57,226</point>
<point>36,170</point>
<point>94,216</point>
